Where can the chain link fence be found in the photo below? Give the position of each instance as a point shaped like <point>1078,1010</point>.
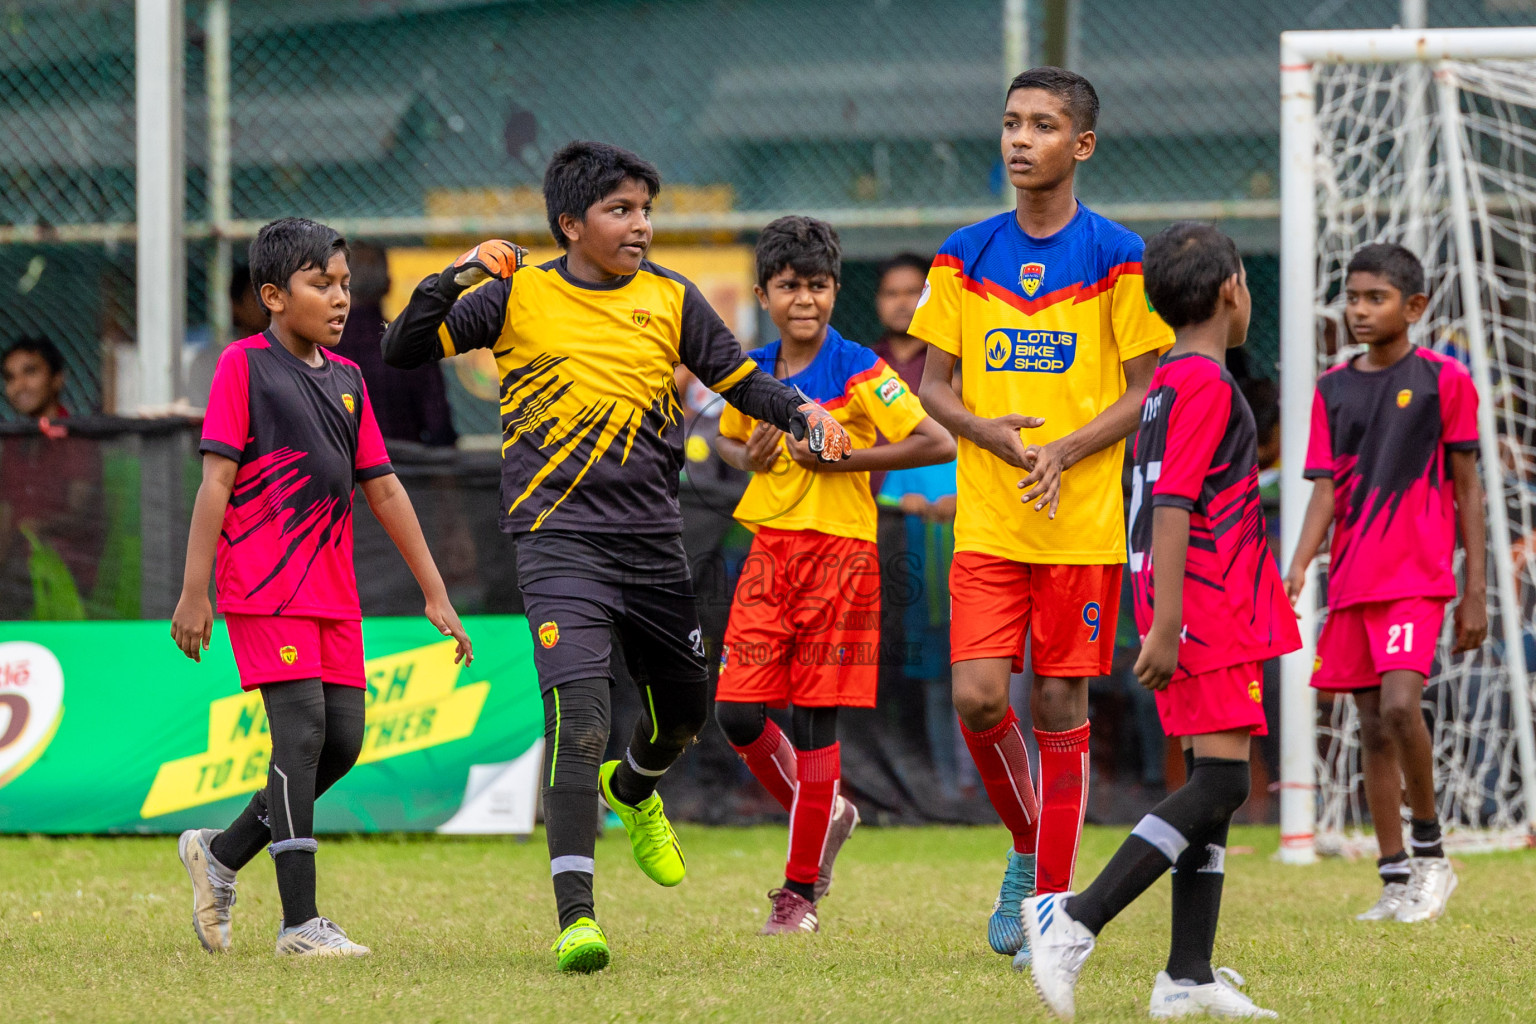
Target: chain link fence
<point>429,119</point>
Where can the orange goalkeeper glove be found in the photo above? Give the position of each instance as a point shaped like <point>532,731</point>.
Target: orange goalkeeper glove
<point>496,258</point>
<point>822,434</point>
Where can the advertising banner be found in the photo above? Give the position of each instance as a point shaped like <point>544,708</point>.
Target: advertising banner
<point>107,727</point>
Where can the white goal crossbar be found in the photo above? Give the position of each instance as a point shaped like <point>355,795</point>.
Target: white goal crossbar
<point>1301,54</point>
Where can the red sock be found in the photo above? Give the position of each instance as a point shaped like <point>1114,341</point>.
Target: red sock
<point>812,812</point>
<point>1003,764</point>
<point>771,759</point>
<point>1063,799</point>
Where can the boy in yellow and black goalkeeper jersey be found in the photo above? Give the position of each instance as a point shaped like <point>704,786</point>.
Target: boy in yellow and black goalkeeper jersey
<point>592,445</point>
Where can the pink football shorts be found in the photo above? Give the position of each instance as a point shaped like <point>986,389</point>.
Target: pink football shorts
<point>278,648</point>
<point>1215,701</point>
<point>1362,641</point>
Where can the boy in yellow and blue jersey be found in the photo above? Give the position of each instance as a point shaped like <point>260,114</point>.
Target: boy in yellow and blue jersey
<point>1044,311</point>
<point>587,346</point>
<point>805,620</point>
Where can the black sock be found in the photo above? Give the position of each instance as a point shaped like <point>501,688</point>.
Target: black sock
<point>805,889</point>
<point>1197,880</point>
<point>575,732</point>
<point>246,836</point>
<point>671,716</point>
<point>1393,868</point>
<point>570,826</point>
<point>1215,790</point>
<point>296,885</point>
<point>1425,837</point>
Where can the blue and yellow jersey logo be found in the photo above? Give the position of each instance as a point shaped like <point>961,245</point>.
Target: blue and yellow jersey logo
<point>1009,348</point>
<point>1030,276</point>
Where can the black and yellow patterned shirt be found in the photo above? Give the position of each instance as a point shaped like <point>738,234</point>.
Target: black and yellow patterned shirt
<point>592,423</point>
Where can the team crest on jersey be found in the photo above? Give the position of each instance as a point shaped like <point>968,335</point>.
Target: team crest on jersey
<point>1255,691</point>
<point>549,634</point>
<point>346,400</point>
<point>641,317</point>
<point>289,654</point>
<point>1404,397</point>
<point>922,300</point>
<point>725,655</point>
<point>1030,276</point>
<point>891,390</point>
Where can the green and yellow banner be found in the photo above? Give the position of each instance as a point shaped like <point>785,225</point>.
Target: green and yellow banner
<point>107,727</point>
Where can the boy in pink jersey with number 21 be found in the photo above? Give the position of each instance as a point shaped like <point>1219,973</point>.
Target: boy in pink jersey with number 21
<point>1393,460</point>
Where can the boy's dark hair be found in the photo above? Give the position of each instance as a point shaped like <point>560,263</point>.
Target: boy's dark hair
<point>808,246</point>
<point>902,259</point>
<point>284,247</point>
<point>580,174</point>
<point>1263,397</point>
<point>1081,100</point>
<point>40,346</point>
<point>1400,267</point>
<point>1183,269</point>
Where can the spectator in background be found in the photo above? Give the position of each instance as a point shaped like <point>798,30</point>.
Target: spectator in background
<point>926,497</point>
<point>33,369</point>
<point>901,282</point>
<point>411,405</point>
<point>50,537</point>
<point>247,316</point>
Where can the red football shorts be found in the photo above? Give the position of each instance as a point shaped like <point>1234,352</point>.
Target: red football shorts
<point>1361,642</point>
<point>1068,612</point>
<point>278,648</point>
<point>805,623</point>
<point>1215,701</point>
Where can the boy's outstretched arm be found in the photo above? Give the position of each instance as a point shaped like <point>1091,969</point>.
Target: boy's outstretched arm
<point>1042,487</point>
<point>192,622</point>
<point>1170,549</point>
<point>1314,530</point>
<point>999,436</point>
<point>1472,610</point>
<point>927,445</point>
<point>392,507</point>
<point>412,338</point>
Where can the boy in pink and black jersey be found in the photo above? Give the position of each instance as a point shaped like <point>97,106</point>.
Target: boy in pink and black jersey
<point>1393,460</point>
<point>288,434</point>
<point>1211,607</point>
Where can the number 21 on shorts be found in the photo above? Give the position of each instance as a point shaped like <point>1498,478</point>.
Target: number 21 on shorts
<point>1400,639</point>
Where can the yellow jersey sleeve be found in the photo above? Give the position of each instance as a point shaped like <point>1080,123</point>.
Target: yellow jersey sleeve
<point>888,403</point>
<point>937,319</point>
<point>735,424</point>
<point>1137,327</point>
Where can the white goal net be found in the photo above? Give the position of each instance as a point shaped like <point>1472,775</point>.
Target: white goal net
<point>1384,171</point>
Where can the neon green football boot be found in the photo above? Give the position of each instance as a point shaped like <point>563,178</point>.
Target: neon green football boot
<point>582,948</point>
<point>650,833</point>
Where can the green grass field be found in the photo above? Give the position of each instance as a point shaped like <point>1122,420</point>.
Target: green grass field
<point>98,929</point>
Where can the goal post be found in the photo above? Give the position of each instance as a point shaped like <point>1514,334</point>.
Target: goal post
<point>1370,152</point>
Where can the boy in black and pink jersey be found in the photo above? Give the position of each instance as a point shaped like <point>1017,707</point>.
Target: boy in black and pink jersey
<point>1393,461</point>
<point>1211,607</point>
<point>289,433</point>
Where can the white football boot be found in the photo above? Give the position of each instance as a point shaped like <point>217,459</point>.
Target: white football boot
<point>1429,888</point>
<point>1221,998</point>
<point>1393,896</point>
<point>1060,946</point>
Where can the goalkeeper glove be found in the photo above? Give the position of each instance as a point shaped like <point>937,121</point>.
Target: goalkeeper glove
<point>822,434</point>
<point>495,258</point>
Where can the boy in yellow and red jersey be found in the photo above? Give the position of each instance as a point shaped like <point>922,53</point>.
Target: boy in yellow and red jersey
<point>805,621</point>
<point>1044,311</point>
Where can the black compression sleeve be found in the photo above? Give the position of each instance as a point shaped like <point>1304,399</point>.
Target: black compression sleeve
<point>764,397</point>
<point>411,338</point>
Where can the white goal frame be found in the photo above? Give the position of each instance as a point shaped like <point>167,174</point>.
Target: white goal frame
<point>1300,53</point>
